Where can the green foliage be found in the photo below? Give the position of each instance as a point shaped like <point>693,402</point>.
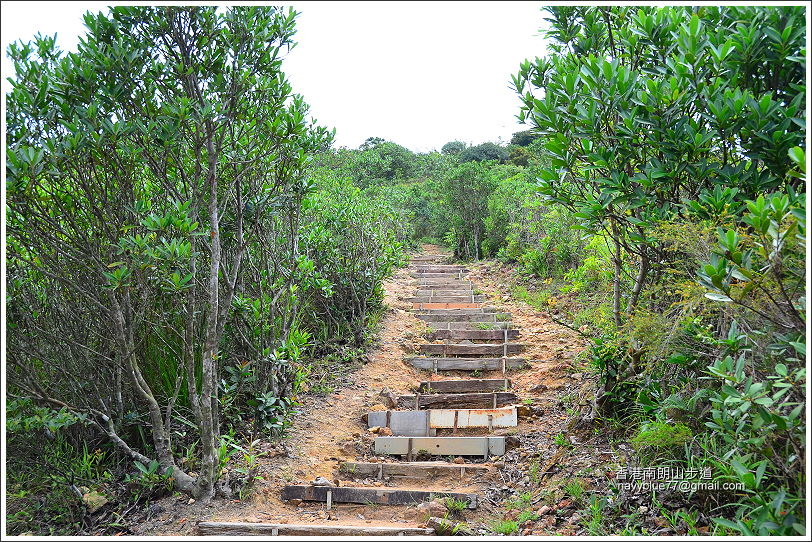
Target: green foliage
<point>656,437</point>
<point>484,152</point>
<point>503,526</point>
<point>453,147</point>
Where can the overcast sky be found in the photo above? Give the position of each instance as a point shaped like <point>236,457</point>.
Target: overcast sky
<point>417,73</point>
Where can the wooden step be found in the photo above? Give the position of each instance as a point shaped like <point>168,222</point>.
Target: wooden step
<point>436,275</point>
<point>371,495</point>
<point>222,528</point>
<point>468,326</point>
<point>423,306</point>
<point>418,469</point>
<point>448,268</point>
<point>409,446</point>
<point>479,317</point>
<point>473,334</point>
<point>464,386</point>
<point>448,299</point>
<point>424,292</point>
<point>445,283</point>
<point>456,400</point>
<point>453,312</point>
<point>504,349</point>
<point>424,423</point>
<point>466,364</point>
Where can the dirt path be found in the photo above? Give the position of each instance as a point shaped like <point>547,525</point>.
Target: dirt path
<point>330,429</point>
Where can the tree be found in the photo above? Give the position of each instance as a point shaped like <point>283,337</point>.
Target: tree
<point>645,109</point>
<point>453,147</point>
<point>484,151</point>
<point>523,138</point>
<point>141,170</point>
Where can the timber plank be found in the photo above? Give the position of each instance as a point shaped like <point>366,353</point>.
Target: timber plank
<point>423,423</point>
<point>375,495</point>
<point>452,312</point>
<point>423,292</point>
<point>480,317</point>
<point>291,529</point>
<point>456,400</point>
<point>448,299</point>
<point>440,269</point>
<point>464,386</point>
<point>465,364</point>
<point>480,446</point>
<point>468,326</point>
<point>449,281</point>
<point>416,469</point>
<point>446,305</point>
<point>409,423</point>
<point>473,334</point>
<point>504,349</point>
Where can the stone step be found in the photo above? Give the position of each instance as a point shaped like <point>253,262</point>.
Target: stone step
<point>222,528</point>
<point>466,364</point>
<point>416,469</point>
<point>410,446</point>
<point>445,350</point>
<point>464,386</point>
<point>456,400</point>
<point>370,495</point>
<point>424,423</point>
<point>476,317</point>
<point>473,334</point>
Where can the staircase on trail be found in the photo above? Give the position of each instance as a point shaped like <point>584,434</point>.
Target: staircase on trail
<point>467,410</point>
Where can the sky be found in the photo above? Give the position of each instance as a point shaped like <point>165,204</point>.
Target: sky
<point>416,73</point>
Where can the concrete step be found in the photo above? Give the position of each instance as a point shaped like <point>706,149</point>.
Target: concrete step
<point>467,446</point>
<point>424,423</point>
<point>440,305</point>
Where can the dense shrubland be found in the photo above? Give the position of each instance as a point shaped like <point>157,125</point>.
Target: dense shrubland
<point>179,265</point>
<point>206,277</point>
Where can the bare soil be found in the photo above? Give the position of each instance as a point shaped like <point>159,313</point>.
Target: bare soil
<point>330,429</point>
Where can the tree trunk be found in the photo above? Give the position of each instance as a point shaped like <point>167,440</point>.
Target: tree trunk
<point>618,270</point>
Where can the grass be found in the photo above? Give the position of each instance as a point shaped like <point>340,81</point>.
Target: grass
<point>484,325</point>
<point>527,401</point>
<point>455,506</point>
<point>503,526</point>
<point>522,501</point>
<point>575,489</point>
<point>594,518</point>
<point>561,440</point>
<point>526,515</point>
<point>538,299</point>
<point>533,471</point>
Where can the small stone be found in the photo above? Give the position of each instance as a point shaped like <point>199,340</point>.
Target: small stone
<point>191,501</point>
<point>374,429</point>
<point>322,481</point>
<point>643,509</point>
<point>377,483</point>
<point>385,432</point>
<point>459,460</point>
<point>565,503</point>
<point>94,501</point>
<point>430,509</point>
<point>377,407</point>
<point>543,510</point>
<point>323,515</point>
<point>295,502</point>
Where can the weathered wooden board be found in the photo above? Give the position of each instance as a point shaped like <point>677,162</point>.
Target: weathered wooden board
<point>418,469</point>
<point>504,349</point>
<point>445,284</point>
<point>466,364</point>
<point>448,299</point>
<point>458,275</point>
<point>479,317</point>
<point>473,334</point>
<point>440,269</point>
<point>468,325</point>
<point>408,423</point>
<point>482,446</point>
<point>423,292</point>
<point>464,386</point>
<point>457,400</point>
<point>423,306</point>
<point>374,495</point>
<point>289,529</point>
<point>452,312</point>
